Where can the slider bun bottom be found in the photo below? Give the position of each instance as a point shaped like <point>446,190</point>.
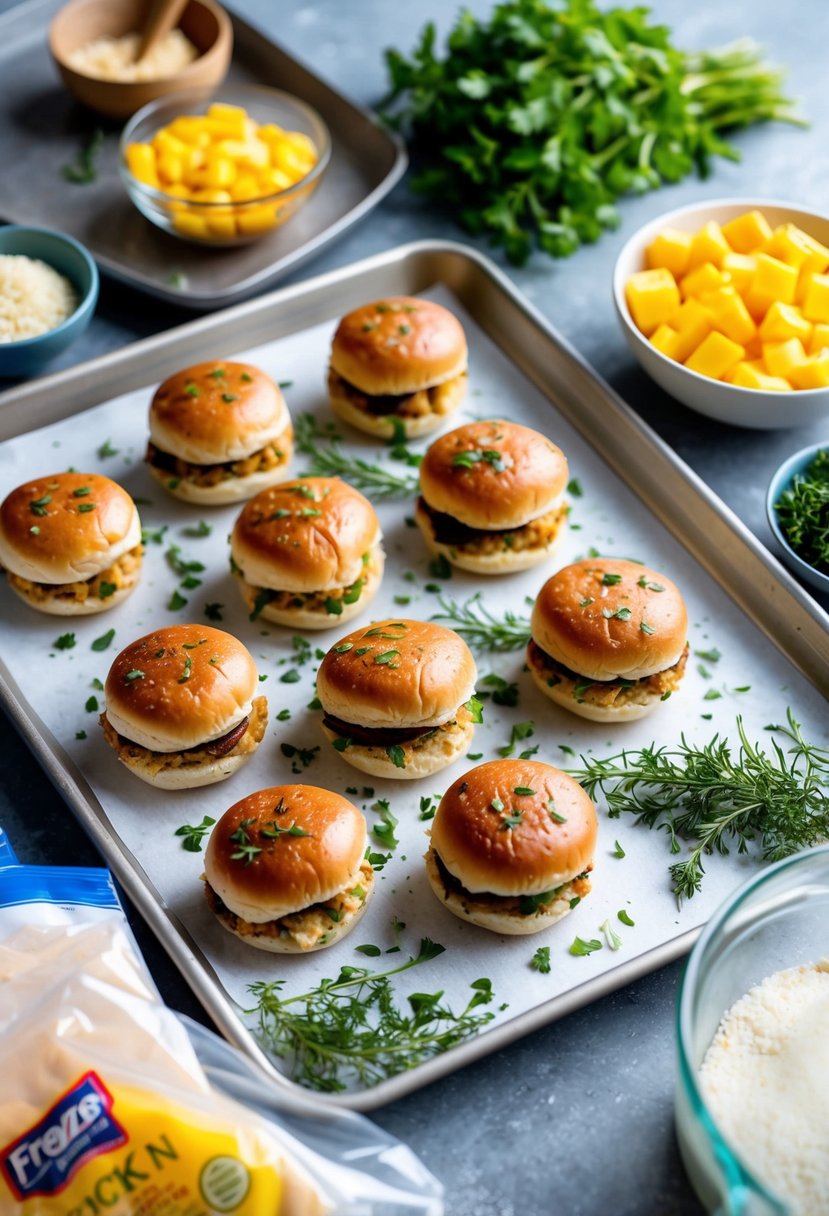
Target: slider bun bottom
<point>506,562</point>
<point>441,750</point>
<point>232,489</point>
<point>379,425</point>
<point>287,945</point>
<point>304,618</point>
<point>596,713</point>
<point>189,776</point>
<point>88,607</point>
<point>509,924</point>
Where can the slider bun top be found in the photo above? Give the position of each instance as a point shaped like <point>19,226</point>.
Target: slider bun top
<point>194,684</point>
<point>398,345</point>
<point>576,619</point>
<point>493,475</point>
<point>291,872</point>
<point>66,528</point>
<point>207,418</point>
<point>309,534</point>
<point>397,674</point>
<point>537,854</point>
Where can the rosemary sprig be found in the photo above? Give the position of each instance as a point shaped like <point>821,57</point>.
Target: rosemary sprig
<point>480,628</point>
<point>350,1030</point>
<point>803,512</point>
<point>715,799</point>
<point>327,459</point>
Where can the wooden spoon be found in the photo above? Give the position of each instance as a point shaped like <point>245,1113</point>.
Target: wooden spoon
<point>163,17</point>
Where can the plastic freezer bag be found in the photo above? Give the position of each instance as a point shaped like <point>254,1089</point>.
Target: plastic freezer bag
<point>105,1105</point>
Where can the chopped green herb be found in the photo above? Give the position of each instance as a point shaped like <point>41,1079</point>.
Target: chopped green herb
<point>106,450</point>
<point>153,536</point>
<point>439,567</point>
<point>625,918</point>
<point>213,612</point>
<point>202,528</point>
<point>83,171</point>
<point>582,948</point>
<point>397,755</point>
<point>91,705</point>
<point>611,937</point>
<point>618,851</point>
<point>475,709</point>
<point>193,835</point>
<point>384,830</point>
<point>66,641</point>
<point>175,602</point>
<point>291,676</point>
<point>368,950</point>
<point>105,590</point>
<point>135,674</point>
<point>574,488</point>
<point>708,656</point>
<point>80,734</point>
<point>283,715</point>
<point>611,580</point>
<point>712,695</point>
<point>540,961</point>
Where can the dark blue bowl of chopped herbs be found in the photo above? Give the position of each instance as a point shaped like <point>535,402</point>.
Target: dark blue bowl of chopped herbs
<point>797,505</point>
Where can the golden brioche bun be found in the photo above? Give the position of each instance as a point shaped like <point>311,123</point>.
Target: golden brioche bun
<point>518,475</point>
<point>304,535</point>
<point>66,528</point>
<point>300,616</point>
<point>206,418</point>
<point>425,673</point>
<point>398,345</point>
<point>538,853</point>
<point>575,620</point>
<point>195,684</point>
<point>502,560</point>
<point>383,427</point>
<point>440,750</point>
<point>290,873</point>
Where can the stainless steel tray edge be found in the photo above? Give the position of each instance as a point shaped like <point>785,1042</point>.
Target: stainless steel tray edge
<point>722,544</point>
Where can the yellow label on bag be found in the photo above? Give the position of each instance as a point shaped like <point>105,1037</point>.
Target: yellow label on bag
<point>114,1150</point>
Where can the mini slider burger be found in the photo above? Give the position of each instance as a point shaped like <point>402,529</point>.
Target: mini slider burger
<point>70,544</point>
<point>285,869</point>
<point>307,553</point>
<point>219,433</point>
<point>609,639</point>
<point>492,497</point>
<point>398,366</point>
<point>398,698</point>
<point>181,707</point>
<point>512,846</point>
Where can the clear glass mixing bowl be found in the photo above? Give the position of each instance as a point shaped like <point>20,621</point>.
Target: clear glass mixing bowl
<point>779,919</point>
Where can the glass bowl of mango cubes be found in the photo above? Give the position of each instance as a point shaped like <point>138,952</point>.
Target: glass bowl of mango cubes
<point>223,167</point>
<point>726,306</point>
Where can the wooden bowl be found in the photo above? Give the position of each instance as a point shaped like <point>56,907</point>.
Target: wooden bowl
<point>204,22</point>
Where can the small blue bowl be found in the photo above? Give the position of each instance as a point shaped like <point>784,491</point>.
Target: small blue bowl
<point>781,481</point>
<point>69,258</point>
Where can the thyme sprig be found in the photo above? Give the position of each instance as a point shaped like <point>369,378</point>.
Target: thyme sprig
<point>480,628</point>
<point>716,798</point>
<point>326,458</point>
<point>803,512</point>
<point>351,1030</point>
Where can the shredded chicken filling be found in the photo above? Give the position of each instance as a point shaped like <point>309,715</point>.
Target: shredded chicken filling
<point>327,603</point>
<point>381,739</point>
<point>513,905</point>
<point>537,534</point>
<point>607,693</point>
<point>271,456</point>
<point>439,399</point>
<point>121,574</point>
<point>155,762</point>
<point>311,926</point>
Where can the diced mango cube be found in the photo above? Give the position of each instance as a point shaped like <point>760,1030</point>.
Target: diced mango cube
<point>141,163</point>
<point>774,279</point>
<point>753,375</point>
<point>232,118</point>
<point>692,322</point>
<point>781,357</point>
<point>255,220</point>
<point>731,317</point>
<point>652,295</point>
<point>816,299</point>
<point>747,232</point>
<point>245,188</point>
<point>814,373</point>
<point>666,340</point>
<point>190,225</point>
<point>708,245</point>
<point>789,244</point>
<point>189,130</point>
<point>245,152</point>
<point>705,278</point>
<point>170,167</point>
<point>670,250</point>
<point>783,321</point>
<point>715,355</point>
<point>741,267</point>
<point>221,226</point>
<point>820,339</point>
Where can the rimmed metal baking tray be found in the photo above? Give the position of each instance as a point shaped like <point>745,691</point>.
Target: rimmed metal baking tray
<point>42,129</point>
<point>713,536</point>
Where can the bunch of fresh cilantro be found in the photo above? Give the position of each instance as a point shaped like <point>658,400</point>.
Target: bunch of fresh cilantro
<point>538,118</point>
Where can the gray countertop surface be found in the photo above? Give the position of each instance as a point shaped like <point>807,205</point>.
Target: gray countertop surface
<point>576,1118</point>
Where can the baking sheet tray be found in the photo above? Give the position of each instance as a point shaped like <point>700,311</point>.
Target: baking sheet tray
<point>42,129</point>
<point>638,500</point>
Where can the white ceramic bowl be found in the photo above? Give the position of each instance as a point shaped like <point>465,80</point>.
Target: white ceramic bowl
<point>749,407</point>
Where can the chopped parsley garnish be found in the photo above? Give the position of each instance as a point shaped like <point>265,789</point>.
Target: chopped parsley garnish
<point>283,715</point>
<point>610,935</point>
<point>397,755</point>
<point>581,948</point>
<point>291,676</point>
<point>610,580</point>
<point>475,710</point>
<point>524,791</point>
<point>646,628</point>
<point>91,705</point>
<point>439,567</point>
<point>519,732</point>
<point>193,835</point>
<point>66,641</point>
<point>202,528</point>
<point>574,488</point>
<point>540,961</point>
<point>105,590</point>
<point>386,659</point>
<point>38,505</point>
<point>135,674</point>
<point>384,830</point>
<point>153,536</point>
<point>708,656</point>
<point>106,450</point>
<point>620,614</point>
<point>618,851</point>
<point>625,918</point>
<point>175,602</point>
<point>213,612</point>
<point>246,850</point>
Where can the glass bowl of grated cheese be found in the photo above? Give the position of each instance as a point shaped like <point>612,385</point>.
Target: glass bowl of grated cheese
<point>752,1099</point>
<point>48,293</point>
